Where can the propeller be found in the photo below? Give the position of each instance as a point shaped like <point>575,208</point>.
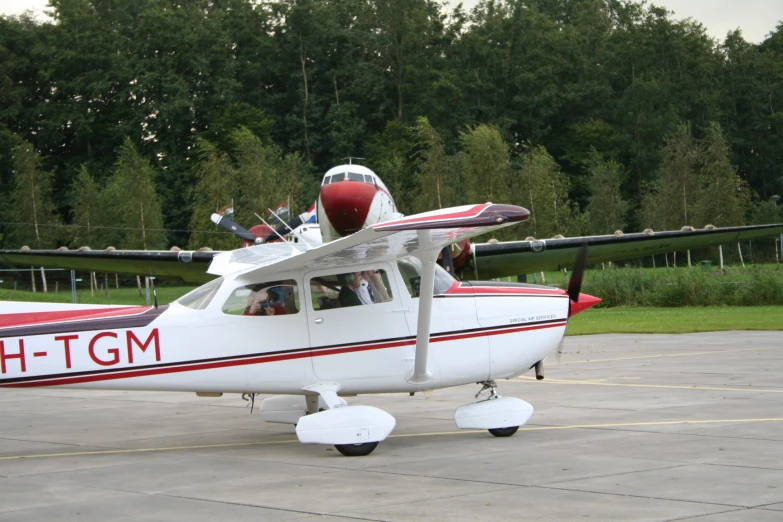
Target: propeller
<point>574,287</point>
<point>233,227</point>
<point>577,274</point>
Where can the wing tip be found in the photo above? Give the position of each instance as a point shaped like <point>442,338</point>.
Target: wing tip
<point>485,215</point>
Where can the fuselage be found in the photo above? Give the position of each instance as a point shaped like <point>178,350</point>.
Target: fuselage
<point>205,343</point>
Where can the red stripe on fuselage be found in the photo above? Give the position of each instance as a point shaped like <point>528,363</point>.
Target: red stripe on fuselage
<point>258,359</point>
<point>478,290</point>
<point>62,316</point>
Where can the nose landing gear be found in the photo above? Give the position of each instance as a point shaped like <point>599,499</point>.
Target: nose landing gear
<point>501,416</point>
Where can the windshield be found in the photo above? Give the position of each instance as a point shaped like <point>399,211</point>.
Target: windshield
<point>410,268</point>
<point>200,298</point>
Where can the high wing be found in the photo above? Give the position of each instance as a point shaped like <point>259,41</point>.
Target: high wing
<point>387,241</point>
<point>489,260</point>
<point>525,257</point>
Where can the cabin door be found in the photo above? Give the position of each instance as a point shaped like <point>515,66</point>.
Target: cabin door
<point>357,324</point>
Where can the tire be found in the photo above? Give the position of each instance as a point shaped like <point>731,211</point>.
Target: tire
<point>504,432</point>
<point>356,450</point>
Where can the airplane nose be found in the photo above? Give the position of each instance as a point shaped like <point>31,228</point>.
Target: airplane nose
<point>585,301</point>
<point>346,204</point>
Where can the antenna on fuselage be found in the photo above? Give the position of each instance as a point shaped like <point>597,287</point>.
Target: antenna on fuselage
<point>351,158</point>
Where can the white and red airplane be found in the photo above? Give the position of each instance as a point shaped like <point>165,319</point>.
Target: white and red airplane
<point>368,313</point>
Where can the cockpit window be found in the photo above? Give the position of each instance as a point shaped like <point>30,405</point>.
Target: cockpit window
<point>264,299</point>
<point>200,298</point>
<point>365,287</point>
<point>369,179</point>
<point>410,268</point>
<point>353,176</point>
<point>327,180</point>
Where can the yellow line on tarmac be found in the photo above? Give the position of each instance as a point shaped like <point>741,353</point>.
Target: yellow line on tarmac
<point>429,434</point>
<point>145,450</point>
<point>665,386</point>
<point>663,355</point>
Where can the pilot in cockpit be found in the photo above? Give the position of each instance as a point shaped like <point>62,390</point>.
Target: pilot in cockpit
<point>264,301</point>
<point>349,291</point>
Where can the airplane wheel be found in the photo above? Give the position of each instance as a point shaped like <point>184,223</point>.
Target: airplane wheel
<point>356,450</point>
<point>504,432</point>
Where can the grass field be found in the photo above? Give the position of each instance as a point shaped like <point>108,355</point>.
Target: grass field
<point>124,296</point>
<point>676,320</point>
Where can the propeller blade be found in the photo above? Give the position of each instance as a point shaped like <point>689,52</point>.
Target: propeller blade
<point>575,283</point>
<point>232,227</point>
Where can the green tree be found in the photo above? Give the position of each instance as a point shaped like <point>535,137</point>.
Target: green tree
<point>722,199</point>
<point>543,189</point>
<point>31,213</point>
<point>257,176</point>
<point>291,177</point>
<point>216,188</point>
<point>487,170</point>
<point>391,155</point>
<point>133,201</point>
<point>669,202</point>
<point>607,209</point>
<point>433,168</point>
<point>88,210</point>
<point>768,212</point>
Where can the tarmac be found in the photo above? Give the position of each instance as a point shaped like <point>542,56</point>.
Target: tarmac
<point>627,427</point>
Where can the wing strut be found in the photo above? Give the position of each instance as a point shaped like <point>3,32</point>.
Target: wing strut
<point>428,255</point>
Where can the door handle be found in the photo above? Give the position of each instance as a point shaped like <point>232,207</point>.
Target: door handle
<point>401,310</point>
<point>319,321</point>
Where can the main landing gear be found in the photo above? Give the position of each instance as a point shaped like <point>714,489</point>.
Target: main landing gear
<point>501,416</point>
<point>359,449</point>
<point>354,430</point>
<point>356,450</point>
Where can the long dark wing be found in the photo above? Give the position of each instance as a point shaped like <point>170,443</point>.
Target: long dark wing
<point>189,266</point>
<point>525,257</point>
<point>491,260</point>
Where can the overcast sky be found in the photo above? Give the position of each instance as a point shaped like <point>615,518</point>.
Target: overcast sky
<point>756,18</point>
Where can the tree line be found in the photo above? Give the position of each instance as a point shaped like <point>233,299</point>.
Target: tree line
<point>127,124</point>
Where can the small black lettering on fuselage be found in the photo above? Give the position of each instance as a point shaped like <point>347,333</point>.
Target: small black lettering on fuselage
<point>532,318</point>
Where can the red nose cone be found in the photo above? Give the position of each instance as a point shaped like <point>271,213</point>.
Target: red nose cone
<point>346,204</point>
<point>585,302</point>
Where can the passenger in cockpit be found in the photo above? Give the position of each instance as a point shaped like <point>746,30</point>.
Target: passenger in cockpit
<point>378,290</point>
